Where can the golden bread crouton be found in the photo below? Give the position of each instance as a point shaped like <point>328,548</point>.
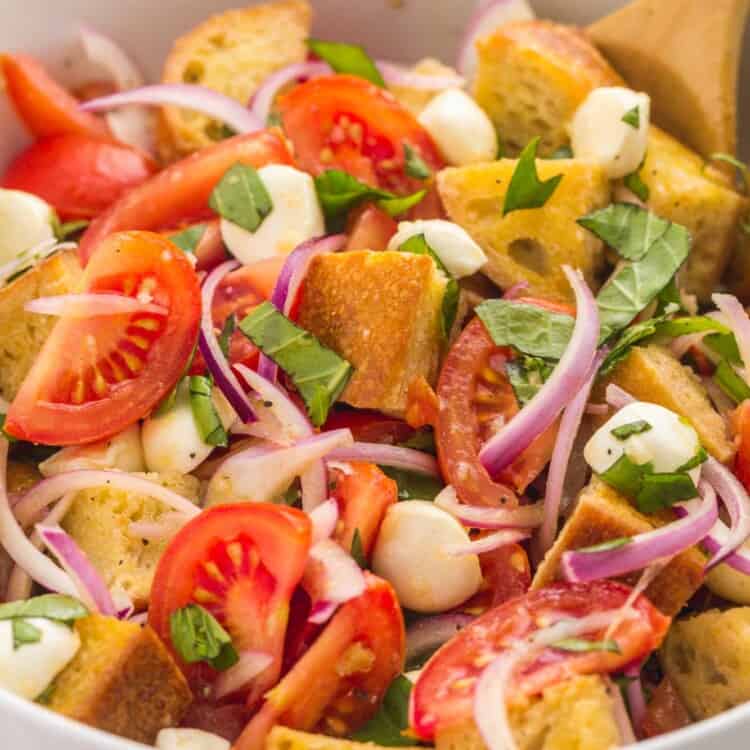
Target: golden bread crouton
<point>283,738</point>
<point>23,333</point>
<point>381,311</point>
<point>232,52</point>
<point>603,514</point>
<point>737,276</point>
<point>707,659</point>
<point>573,715</point>
<point>684,189</point>
<point>530,245</point>
<point>415,100</point>
<point>99,520</point>
<point>652,373</point>
<point>122,680</point>
<point>531,78</point>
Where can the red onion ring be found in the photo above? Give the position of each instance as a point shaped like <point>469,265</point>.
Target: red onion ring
<point>487,544</point>
<point>396,75</point>
<point>429,633</point>
<point>617,397</point>
<point>395,456</point>
<point>249,666</point>
<point>91,305</point>
<point>324,519</point>
<point>739,560</point>
<point>739,322</point>
<point>516,291</point>
<point>620,710</point>
<point>105,52</point>
<point>524,516</point>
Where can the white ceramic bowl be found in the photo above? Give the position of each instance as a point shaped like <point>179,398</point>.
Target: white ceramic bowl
<point>402,30</point>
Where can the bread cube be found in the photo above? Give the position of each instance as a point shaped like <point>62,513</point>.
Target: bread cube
<point>233,53</point>
<point>531,78</point>
<point>283,738</point>
<point>122,680</point>
<point>707,659</point>
<point>603,514</point>
<point>737,276</point>
<point>381,311</point>
<point>415,100</point>
<point>23,333</point>
<point>530,245</point>
<point>99,520</point>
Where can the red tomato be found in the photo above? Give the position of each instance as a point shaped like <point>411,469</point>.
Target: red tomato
<point>339,683</point>
<point>507,574</point>
<point>227,721</point>
<point>344,122</point>
<point>45,107</point>
<point>665,712</point>
<point>97,375</point>
<point>741,423</point>
<point>369,426</point>
<point>443,695</point>
<point>179,194</point>
<point>421,404</point>
<point>210,250</point>
<point>78,175</point>
<point>370,228</point>
<point>242,563</point>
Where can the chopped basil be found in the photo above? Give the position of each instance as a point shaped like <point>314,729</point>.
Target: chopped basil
<point>414,486</point>
<point>740,166</point>
<point>626,476</point>
<point>24,633</point>
<point>225,337</point>
<point>582,646</point>
<point>5,434</point>
<point>659,491</point>
<point>318,373</point>
<point>292,497</point>
<point>69,230</point>
<point>198,636</point>
<point>624,431</point>
<point>274,120</point>
<point>608,545</point>
<point>526,190</point>
<point>57,607</point>
<point>669,299</point>
<point>414,165</point>
<point>564,152</point>
<point>626,340</point>
<point>634,182</point>
<point>241,197</point>
<point>527,375</point>
<point>206,417</point>
<point>633,117</point>
<point>357,551</point>
<point>188,239</point>
<point>349,59</point>
<point>725,345</point>
<point>388,728</point>
<point>695,324</point>
<point>699,458</point>
<point>730,382</point>
<point>528,328</point>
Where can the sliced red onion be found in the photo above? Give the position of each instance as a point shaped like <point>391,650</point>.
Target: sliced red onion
<point>738,320</point>
<point>397,75</point>
<point>394,456</point>
<point>617,397</point>
<point>249,666</point>
<point>33,255</point>
<point>186,95</point>
<point>568,377</point>
<point>620,711</point>
<point>324,519</point>
<point>209,346</point>
<point>108,55</point>
<point>262,101</point>
<point>488,543</point>
<point>517,290</point>
<point>429,633</point>
<point>124,607</point>
<point>645,549</point>
<point>636,701</point>
<point>140,619</point>
<point>91,305</point>
<point>92,590</point>
<point>165,528</point>
<point>490,699</point>
<point>739,560</point>
<point>524,516</point>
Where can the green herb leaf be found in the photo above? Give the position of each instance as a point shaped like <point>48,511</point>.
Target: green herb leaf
<point>725,345</point>
<point>198,636</point>
<point>241,197</point>
<point>206,417</point>
<point>740,166</point>
<point>55,607</point>
<point>624,431</point>
<point>357,550</point>
<point>581,646</point>
<point>422,440</point>
<point>627,339</point>
<point>292,497</point>
<point>700,457</point>
<point>633,117</point>
<point>388,725</point>
<point>318,373</point>
<point>46,695</point>
<point>731,383</point>
<point>6,435</point>
<point>70,230</point>
<point>414,165</point>
<point>347,58</point>
<point>189,238</point>
<point>527,375</point>
<point>626,476</point>
<point>634,182</point>
<point>225,337</point>
<point>526,190</point>
<point>398,205</point>
<point>670,299</point>
<point>564,152</point>
<point>695,324</point>
<point>24,632</point>
<point>659,491</point>
<point>608,545</point>
<point>413,486</point>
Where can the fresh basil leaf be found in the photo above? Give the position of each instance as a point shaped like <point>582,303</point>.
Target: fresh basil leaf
<point>582,646</point>
<point>241,197</point>
<point>398,205</point>
<point>608,545</point>
<point>699,458</point>
<point>318,373</point>
<point>206,417</point>
<point>24,633</point>
<point>670,299</point>
<point>526,190</point>
<point>57,607</point>
<point>357,551</point>
<point>625,476</point>
<point>740,166</point>
<point>198,636</point>
<point>225,337</point>
<point>292,497</point>
<point>188,239</point>
<point>695,324</point>
<point>414,165</point>
<point>564,152</point>
<point>527,375</point>
<point>659,491</point>
<point>69,230</point>
<point>528,328</point>
<point>626,340</point>
<point>5,434</point>
<point>624,431</point>
<point>413,486</point>
<point>725,345</point>
<point>633,117</point>
<point>349,59</point>
<point>387,728</point>
<point>730,382</point>
<point>219,131</point>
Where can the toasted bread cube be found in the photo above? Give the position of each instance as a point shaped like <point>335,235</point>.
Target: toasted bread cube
<point>380,311</point>
<point>603,514</point>
<point>576,714</point>
<point>23,333</point>
<point>415,100</point>
<point>737,276</point>
<point>651,373</point>
<point>283,738</point>
<point>684,189</point>
<point>531,78</point>
<point>707,658</point>
<point>122,680</point>
<point>232,52</point>
<point>530,245</point>
<point>99,520</point>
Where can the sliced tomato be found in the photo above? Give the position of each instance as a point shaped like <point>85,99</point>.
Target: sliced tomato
<point>443,695</point>
<point>339,683</point>
<point>421,404</point>
<point>741,424</point>
<point>179,194</point>
<point>370,228</point>
<point>345,122</point>
<point>369,426</point>
<point>242,563</point>
<point>78,175</point>
<point>210,250</point>
<point>97,375</point>
<point>45,107</point>
<point>665,712</point>
<point>507,574</point>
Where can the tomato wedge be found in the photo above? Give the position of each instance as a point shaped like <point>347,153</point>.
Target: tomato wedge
<point>179,194</point>
<point>369,426</point>
<point>338,684</point>
<point>370,228</point>
<point>78,175</point>
<point>242,563</point>
<point>507,574</point>
<point>345,122</point>
<point>45,107</point>
<point>97,375</point>
<point>443,695</point>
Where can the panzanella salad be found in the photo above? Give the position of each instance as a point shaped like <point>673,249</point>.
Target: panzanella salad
<point>347,402</point>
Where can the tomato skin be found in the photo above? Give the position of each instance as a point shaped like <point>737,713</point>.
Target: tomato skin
<point>741,423</point>
<point>507,574</point>
<point>95,376</point>
<point>369,426</point>
<point>78,175</point>
<point>45,107</point>
<point>435,703</point>
<point>370,228</point>
<point>665,712</point>
<point>315,695</point>
<point>179,194</point>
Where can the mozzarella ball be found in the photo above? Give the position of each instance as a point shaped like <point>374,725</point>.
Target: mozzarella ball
<point>25,221</point>
<point>29,669</point>
<point>409,552</point>
<point>190,739</point>
<point>598,132</point>
<point>730,584</point>
<point>460,127</point>
<point>295,217</point>
<point>450,242</point>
